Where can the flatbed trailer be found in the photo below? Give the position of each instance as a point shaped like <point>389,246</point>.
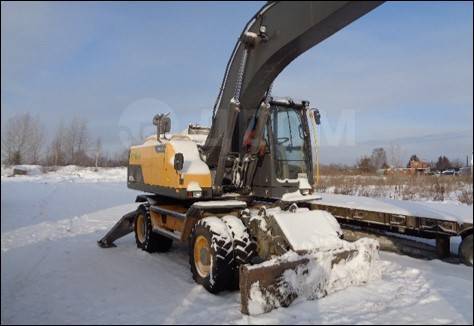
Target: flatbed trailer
<point>430,220</point>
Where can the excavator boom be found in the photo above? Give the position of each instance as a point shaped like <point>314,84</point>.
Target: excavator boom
<point>285,30</point>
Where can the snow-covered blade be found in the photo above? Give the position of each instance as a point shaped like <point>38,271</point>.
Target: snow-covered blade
<point>312,275</point>
<point>123,227</point>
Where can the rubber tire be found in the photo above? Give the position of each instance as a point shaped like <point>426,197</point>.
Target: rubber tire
<point>221,276</point>
<point>245,248</point>
<point>153,242</point>
<point>465,250</point>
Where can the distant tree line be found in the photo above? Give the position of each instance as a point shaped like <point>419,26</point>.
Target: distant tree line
<point>24,142</point>
<point>377,160</point>
<point>380,160</point>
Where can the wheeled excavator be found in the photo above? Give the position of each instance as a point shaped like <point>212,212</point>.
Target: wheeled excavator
<point>239,192</point>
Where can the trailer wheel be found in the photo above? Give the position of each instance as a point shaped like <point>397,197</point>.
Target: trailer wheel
<point>211,254</point>
<point>465,250</point>
<point>145,238</point>
<point>245,248</point>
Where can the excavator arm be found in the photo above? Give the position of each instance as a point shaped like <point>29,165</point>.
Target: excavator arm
<point>277,34</point>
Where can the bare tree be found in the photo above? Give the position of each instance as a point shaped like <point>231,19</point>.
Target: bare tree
<point>365,165</point>
<point>121,157</point>
<point>443,163</point>
<point>70,139</point>
<point>98,150</point>
<point>57,149</point>
<point>395,155</point>
<point>82,136</point>
<point>457,164</point>
<point>36,141</point>
<point>76,142</point>
<point>379,158</point>
<point>22,140</point>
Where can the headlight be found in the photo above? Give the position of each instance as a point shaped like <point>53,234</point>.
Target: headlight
<point>304,192</point>
<point>194,190</point>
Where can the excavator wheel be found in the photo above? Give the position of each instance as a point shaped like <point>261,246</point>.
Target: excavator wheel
<point>145,238</point>
<point>465,250</point>
<point>211,255</point>
<point>245,248</point>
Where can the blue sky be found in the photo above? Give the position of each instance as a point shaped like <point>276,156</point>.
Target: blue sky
<point>402,74</point>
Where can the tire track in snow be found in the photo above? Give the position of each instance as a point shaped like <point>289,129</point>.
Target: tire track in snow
<point>70,227</point>
<point>44,202</point>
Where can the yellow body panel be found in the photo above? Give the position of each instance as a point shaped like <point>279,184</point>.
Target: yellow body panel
<point>157,165</point>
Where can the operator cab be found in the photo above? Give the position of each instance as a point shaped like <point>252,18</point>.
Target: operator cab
<point>287,159</point>
<point>289,141</point>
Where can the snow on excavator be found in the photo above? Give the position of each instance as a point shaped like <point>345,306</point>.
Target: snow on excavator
<point>239,192</point>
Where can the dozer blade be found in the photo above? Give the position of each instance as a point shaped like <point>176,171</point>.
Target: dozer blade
<point>279,281</point>
<point>123,227</point>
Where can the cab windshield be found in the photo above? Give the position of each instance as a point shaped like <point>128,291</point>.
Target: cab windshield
<point>289,141</point>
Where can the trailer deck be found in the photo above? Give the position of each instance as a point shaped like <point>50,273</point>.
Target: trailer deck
<point>433,220</point>
<point>436,210</point>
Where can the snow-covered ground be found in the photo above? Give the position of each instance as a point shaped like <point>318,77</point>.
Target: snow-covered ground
<point>69,173</point>
<point>448,189</point>
<point>52,271</point>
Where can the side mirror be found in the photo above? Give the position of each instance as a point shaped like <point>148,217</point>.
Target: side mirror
<point>178,161</point>
<point>317,116</point>
<point>165,124</point>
